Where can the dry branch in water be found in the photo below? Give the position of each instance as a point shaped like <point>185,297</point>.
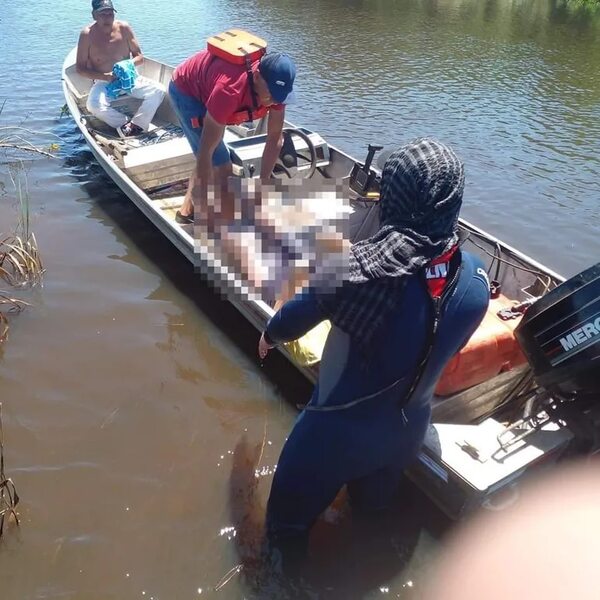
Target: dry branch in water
<point>26,149</point>
<point>11,139</point>
<point>8,493</point>
<point>14,304</point>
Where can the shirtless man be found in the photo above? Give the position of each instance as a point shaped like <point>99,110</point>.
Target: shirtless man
<point>101,45</point>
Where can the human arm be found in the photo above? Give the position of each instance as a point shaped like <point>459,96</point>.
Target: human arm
<point>81,65</point>
<point>134,48</point>
<point>295,318</point>
<point>274,142</point>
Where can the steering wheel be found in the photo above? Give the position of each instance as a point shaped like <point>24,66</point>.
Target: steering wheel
<point>288,157</point>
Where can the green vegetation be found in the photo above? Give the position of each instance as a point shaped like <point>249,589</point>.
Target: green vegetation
<point>589,4</point>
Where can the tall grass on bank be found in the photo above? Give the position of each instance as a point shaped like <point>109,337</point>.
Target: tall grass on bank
<point>20,268</point>
<point>9,499</point>
<point>20,261</point>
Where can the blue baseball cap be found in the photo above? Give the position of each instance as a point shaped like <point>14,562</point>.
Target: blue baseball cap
<point>279,71</point>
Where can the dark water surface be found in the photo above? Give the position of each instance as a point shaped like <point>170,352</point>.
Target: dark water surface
<point>128,383</point>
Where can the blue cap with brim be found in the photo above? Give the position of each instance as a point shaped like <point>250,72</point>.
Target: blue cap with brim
<point>279,71</point>
<point>100,5</point>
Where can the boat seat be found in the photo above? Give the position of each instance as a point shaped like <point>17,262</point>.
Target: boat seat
<point>159,164</point>
<point>155,165</point>
<point>78,86</point>
<point>149,165</point>
<point>149,161</point>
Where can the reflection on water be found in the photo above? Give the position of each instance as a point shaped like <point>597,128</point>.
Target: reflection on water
<point>130,389</point>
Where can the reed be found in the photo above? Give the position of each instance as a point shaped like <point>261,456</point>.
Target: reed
<point>9,499</point>
<point>20,267</point>
<point>20,261</point>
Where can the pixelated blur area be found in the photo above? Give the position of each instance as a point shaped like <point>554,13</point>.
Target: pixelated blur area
<point>272,240</point>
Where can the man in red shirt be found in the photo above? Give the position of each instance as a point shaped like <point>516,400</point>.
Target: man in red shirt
<point>209,93</point>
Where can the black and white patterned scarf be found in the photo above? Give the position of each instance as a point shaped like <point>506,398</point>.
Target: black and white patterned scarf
<point>421,194</point>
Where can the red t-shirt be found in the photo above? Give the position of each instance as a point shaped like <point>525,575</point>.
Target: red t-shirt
<point>221,86</point>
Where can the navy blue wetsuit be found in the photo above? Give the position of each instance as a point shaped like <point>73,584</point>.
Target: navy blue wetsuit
<point>353,430</point>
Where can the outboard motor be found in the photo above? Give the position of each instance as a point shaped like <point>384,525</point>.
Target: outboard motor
<point>560,336</point>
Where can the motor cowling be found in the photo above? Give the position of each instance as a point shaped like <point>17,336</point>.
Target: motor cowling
<point>560,336</point>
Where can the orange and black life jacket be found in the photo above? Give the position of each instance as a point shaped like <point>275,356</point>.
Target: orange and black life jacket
<point>242,48</point>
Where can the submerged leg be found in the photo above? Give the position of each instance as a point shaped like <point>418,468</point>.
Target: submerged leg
<point>375,492</point>
<point>307,480</point>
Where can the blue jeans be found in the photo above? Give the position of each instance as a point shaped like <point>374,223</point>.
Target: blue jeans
<point>191,112</point>
<point>366,447</point>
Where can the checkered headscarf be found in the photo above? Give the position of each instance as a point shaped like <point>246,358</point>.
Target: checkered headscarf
<point>421,194</point>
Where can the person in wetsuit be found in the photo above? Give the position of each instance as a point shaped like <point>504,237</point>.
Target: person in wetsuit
<point>412,299</point>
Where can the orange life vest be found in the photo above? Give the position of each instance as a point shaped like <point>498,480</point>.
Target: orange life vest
<point>236,46</point>
<point>241,48</point>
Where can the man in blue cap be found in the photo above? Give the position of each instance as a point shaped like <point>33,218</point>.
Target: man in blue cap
<point>109,53</point>
<point>209,93</point>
